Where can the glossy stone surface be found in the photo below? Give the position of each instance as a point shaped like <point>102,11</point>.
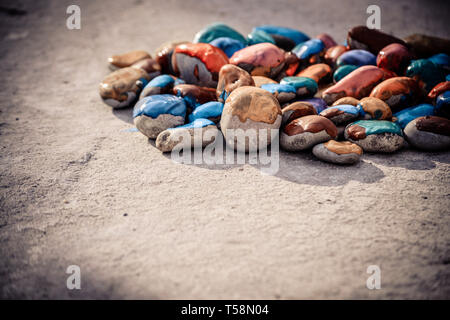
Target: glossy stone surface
<point>442,60</point>
<point>336,152</point>
<point>295,35</point>
<point>327,40</point>
<point>320,72</point>
<point>397,92</point>
<point>259,36</point>
<point>375,135</point>
<point>250,108</point>
<point>194,95</point>
<point>308,48</point>
<point>429,133</point>
<point>127,59</point>
<point>346,100</point>
<point>120,88</point>
<point>443,104</point>
<point>263,59</point>
<point>198,63</point>
<point>371,108</point>
<point>305,132</point>
<point>260,80</point>
<point>425,46</point>
<point>227,45</point>
<point>427,73</point>
<point>342,72</point>
<point>318,103</point>
<point>304,86</point>
<point>395,57</point>
<point>163,56</point>
<point>230,78</point>
<point>218,30</point>
<point>297,110</point>
<point>357,58</point>
<point>372,40</point>
<point>405,116</point>
<point>154,114</point>
<point>282,92</point>
<point>341,114</point>
<point>439,89</point>
<point>333,53</point>
<point>148,65</point>
<point>357,84</point>
<point>211,110</point>
<point>162,84</point>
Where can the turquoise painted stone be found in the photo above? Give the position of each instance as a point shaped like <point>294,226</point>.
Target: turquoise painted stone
<point>228,45</point>
<point>341,72</point>
<point>259,36</point>
<point>378,126</point>
<point>295,35</point>
<point>407,115</point>
<point>211,110</point>
<point>426,72</point>
<point>357,58</point>
<point>308,48</point>
<point>304,86</point>
<point>218,30</point>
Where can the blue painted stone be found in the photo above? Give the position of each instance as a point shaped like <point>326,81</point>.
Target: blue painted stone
<point>343,71</point>
<point>347,108</point>
<point>407,115</point>
<point>197,123</point>
<point>153,106</point>
<point>218,30</point>
<point>308,48</point>
<point>447,77</point>
<point>210,109</point>
<point>277,87</point>
<point>308,85</point>
<point>441,59</point>
<point>294,35</point>
<point>443,101</point>
<point>228,45</point>
<point>318,103</point>
<point>357,58</point>
<point>259,36</point>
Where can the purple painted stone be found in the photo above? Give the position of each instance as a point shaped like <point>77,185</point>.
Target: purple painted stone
<point>318,103</point>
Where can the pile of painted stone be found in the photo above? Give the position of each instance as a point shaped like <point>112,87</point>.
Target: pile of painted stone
<point>369,94</point>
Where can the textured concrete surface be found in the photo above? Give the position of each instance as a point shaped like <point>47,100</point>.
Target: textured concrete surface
<point>77,188</point>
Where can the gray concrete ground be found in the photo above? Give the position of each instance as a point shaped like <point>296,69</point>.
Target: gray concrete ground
<point>77,188</point>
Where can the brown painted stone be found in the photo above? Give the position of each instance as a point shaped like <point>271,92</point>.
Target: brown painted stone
<point>163,56</point>
<point>230,78</point>
<point>297,110</point>
<point>356,132</point>
<point>394,57</point>
<point>311,124</point>
<point>425,46</point>
<point>343,147</point>
<point>346,100</point>
<point>129,58</point>
<point>200,94</point>
<point>333,53</point>
<point>372,40</point>
<point>376,108</point>
<point>320,72</point>
<point>434,124</point>
<point>260,80</point>
<point>149,65</point>
<point>392,90</point>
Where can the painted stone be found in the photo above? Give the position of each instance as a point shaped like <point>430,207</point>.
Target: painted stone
<point>443,105</point>
<point>308,49</point>
<point>230,78</point>
<point>250,108</point>
<point>397,92</point>
<point>263,59</point>
<point>199,133</point>
<point>194,95</point>
<point>429,133</point>
<point>127,59</point>
<point>305,132</point>
<point>154,114</point>
<point>372,40</point>
<point>162,84</point>
<point>327,40</point>
<point>218,30</point>
<point>305,87</point>
<point>333,53</point>
<point>425,46</point>
<point>343,71</point>
<point>297,110</point>
<point>295,35</point>
<point>282,92</point>
<point>343,152</point>
<point>259,36</point>
<point>260,80</point>
<point>395,57</point>
<point>282,42</point>
<point>439,89</point>
<point>150,66</point>
<point>405,116</point>
<point>357,58</point>
<point>426,73</point>
<point>346,100</point>
<point>163,56</point>
<point>320,72</point>
<point>358,84</point>
<point>227,45</point>
<point>120,88</point>
<point>375,135</point>
<point>371,108</point>
<point>442,60</point>
<point>342,114</point>
<point>318,103</point>
<point>291,64</point>
<point>198,63</point>
<point>211,110</point>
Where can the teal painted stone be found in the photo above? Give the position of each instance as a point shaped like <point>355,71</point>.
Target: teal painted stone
<point>259,36</point>
<point>341,72</point>
<point>379,126</point>
<point>304,86</point>
<point>218,30</point>
<point>426,71</point>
